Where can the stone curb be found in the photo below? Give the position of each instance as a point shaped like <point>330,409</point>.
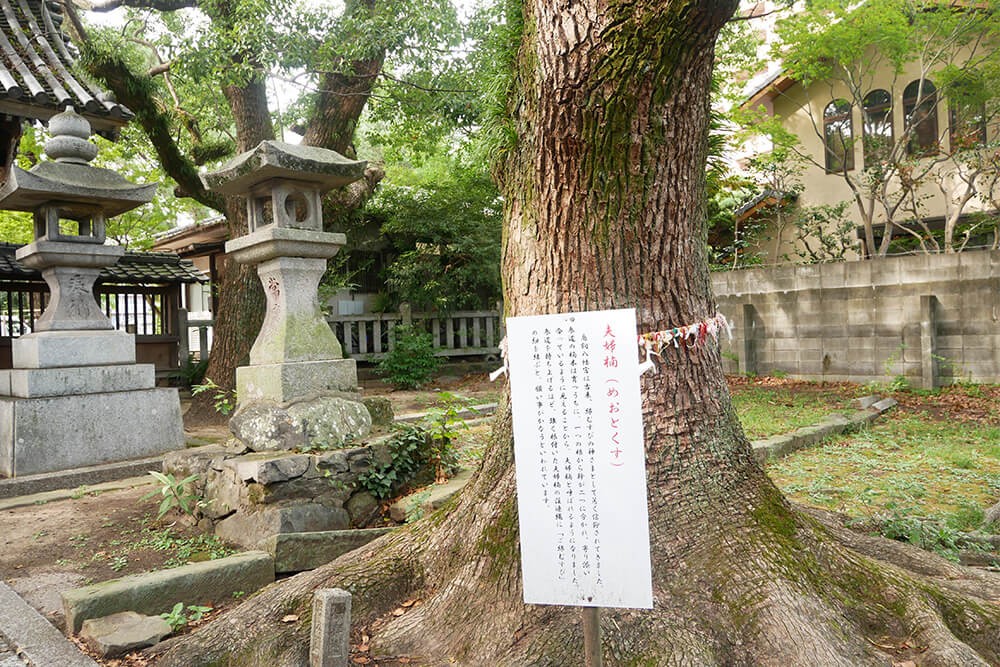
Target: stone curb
<point>298,552</point>
<point>438,496</point>
<point>63,494</point>
<point>473,412</point>
<point>808,436</point>
<point>72,479</point>
<point>34,638</point>
<point>156,592</point>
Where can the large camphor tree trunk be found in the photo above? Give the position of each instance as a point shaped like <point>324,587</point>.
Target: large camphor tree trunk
<point>604,210</point>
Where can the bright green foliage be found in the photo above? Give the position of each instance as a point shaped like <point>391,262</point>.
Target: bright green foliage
<point>223,400</point>
<point>443,219</point>
<point>442,424</point>
<point>411,361</point>
<point>178,618</point>
<point>824,233</point>
<point>431,443</point>
<point>408,452</point>
<point>175,494</point>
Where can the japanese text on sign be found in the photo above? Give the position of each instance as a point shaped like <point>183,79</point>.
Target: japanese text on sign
<point>578,449</point>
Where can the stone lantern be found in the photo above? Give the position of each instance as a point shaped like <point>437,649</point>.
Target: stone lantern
<point>75,396</point>
<point>296,354</point>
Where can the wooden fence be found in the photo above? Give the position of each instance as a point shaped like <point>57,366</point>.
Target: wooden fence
<point>369,338</point>
<point>460,333</point>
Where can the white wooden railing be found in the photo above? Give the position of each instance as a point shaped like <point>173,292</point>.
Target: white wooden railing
<point>460,333</point>
<point>369,337</point>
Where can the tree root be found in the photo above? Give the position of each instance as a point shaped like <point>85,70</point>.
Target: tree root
<point>820,594</point>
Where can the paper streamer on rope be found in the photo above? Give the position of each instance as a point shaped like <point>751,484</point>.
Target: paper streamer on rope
<point>687,336</point>
<point>648,364</point>
<point>503,355</point>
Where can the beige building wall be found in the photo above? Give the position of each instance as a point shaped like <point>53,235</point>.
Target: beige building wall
<point>802,113</point>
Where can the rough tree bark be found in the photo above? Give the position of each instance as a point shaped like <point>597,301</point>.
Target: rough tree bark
<point>604,210</point>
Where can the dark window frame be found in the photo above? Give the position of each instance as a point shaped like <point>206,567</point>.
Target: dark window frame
<point>921,95</point>
<point>878,130</point>
<point>837,116</point>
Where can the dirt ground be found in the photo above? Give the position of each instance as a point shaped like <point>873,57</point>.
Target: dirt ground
<point>84,539</point>
<point>90,538</point>
<point>94,537</point>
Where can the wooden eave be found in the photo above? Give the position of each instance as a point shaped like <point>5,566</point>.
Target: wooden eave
<point>768,91</point>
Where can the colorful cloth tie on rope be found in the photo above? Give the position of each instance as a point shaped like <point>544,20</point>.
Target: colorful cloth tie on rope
<point>687,336</point>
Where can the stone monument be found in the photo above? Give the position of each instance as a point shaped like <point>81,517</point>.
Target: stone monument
<point>75,395</point>
<point>298,390</point>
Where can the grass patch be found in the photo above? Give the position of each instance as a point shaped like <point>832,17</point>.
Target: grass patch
<point>907,476</point>
<point>180,550</point>
<point>765,412</point>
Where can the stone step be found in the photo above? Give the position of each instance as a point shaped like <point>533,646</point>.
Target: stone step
<point>298,552</point>
<point>152,593</point>
<point>27,632</point>
<point>425,502</point>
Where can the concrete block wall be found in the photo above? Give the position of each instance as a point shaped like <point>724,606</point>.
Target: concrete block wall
<point>867,320</point>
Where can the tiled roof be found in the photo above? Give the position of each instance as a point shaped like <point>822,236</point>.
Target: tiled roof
<point>36,68</point>
<point>146,268</point>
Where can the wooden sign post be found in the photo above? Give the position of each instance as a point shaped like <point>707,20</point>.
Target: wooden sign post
<point>581,477</point>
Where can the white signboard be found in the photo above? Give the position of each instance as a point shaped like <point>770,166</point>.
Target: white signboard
<point>578,449</point>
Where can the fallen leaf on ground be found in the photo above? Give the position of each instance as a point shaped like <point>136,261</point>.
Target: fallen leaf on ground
<point>290,618</point>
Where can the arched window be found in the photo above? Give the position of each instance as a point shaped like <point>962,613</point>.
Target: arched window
<point>876,127</point>
<point>920,116</point>
<point>966,113</point>
<point>838,135</point>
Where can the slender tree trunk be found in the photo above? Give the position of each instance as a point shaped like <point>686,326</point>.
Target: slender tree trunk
<point>604,209</point>
<point>238,309</point>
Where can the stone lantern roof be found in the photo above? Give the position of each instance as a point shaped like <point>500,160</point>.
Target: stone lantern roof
<point>37,78</point>
<point>69,180</point>
<point>275,160</point>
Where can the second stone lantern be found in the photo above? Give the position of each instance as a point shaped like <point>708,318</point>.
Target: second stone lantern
<point>296,355</point>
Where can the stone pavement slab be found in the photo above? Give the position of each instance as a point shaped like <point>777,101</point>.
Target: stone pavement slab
<point>34,637</point>
<point>63,494</point>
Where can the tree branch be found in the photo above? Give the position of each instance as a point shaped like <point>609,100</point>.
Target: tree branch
<point>136,91</point>
<point>162,68</point>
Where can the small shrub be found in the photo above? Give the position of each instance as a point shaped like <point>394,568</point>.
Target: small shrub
<point>411,362</point>
<point>178,618</point>
<point>223,400</point>
<point>176,493</point>
<point>441,423</point>
<point>408,451</point>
